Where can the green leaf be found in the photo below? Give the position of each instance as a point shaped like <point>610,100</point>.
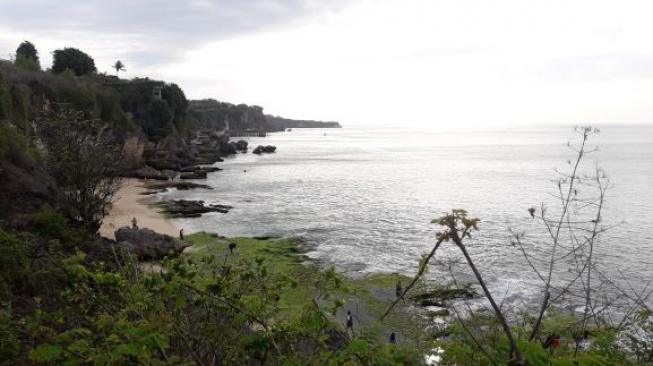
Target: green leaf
<point>125,349</point>
<point>45,352</point>
<point>358,346</point>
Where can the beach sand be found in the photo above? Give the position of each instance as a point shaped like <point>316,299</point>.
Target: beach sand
<point>129,203</point>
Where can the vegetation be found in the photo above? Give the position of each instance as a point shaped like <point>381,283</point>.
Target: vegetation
<point>119,66</point>
<point>84,162</point>
<point>70,297</point>
<point>27,57</point>
<point>72,59</point>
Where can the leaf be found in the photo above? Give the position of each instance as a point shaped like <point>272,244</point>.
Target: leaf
<point>358,346</point>
<point>45,352</point>
<point>125,349</point>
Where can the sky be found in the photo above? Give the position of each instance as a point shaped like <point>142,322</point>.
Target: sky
<point>362,62</point>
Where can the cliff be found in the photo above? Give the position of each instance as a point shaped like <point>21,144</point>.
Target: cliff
<point>210,114</point>
<point>276,123</point>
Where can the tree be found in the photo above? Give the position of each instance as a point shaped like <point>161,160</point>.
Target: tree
<point>28,51</point>
<point>160,123</point>
<point>27,56</point>
<point>72,58</point>
<point>119,66</point>
<point>84,163</point>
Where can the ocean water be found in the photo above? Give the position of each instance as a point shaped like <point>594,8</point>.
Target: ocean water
<point>363,199</point>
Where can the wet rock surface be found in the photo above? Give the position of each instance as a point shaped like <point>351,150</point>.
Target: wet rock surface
<point>439,296</point>
<point>189,208</point>
<point>260,149</point>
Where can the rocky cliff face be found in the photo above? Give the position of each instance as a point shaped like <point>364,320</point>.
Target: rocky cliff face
<point>132,151</point>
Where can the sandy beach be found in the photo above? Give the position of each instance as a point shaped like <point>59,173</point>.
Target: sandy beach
<point>130,203</point>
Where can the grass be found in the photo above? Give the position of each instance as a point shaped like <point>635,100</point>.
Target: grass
<point>366,297</point>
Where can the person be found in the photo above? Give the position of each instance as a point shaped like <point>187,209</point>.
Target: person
<point>134,224</point>
<point>393,338</point>
<point>350,322</point>
<point>232,246</point>
<point>552,342</point>
<point>181,234</point>
<point>398,289</point>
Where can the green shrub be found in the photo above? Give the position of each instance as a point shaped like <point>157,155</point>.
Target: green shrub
<point>14,145</point>
<point>5,101</point>
<point>27,63</point>
<point>54,225</point>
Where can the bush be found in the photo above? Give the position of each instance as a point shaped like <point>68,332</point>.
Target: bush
<point>14,145</point>
<point>27,63</point>
<point>5,100</point>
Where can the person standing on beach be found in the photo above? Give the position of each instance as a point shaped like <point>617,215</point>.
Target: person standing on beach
<point>134,224</point>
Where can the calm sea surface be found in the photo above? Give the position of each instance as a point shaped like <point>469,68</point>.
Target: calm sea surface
<point>363,199</point>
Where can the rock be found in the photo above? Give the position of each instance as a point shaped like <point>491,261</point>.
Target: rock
<point>147,172</point>
<point>194,175</point>
<point>260,149</point>
<point>446,294</point>
<point>148,244</point>
<point>182,186</point>
<point>437,311</point>
<point>438,296</point>
<point>430,302</point>
<point>186,208</point>
<point>207,158</point>
<point>227,148</point>
<point>162,164</point>
<point>195,168</point>
<point>241,145</point>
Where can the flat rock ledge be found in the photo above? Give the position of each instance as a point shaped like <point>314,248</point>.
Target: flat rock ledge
<point>187,208</point>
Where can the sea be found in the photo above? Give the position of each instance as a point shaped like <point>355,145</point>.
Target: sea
<point>362,200</point>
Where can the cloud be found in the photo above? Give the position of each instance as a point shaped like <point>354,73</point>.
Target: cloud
<point>370,61</point>
<point>151,32</point>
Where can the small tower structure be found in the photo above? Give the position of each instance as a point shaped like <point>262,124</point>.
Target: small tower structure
<point>156,92</point>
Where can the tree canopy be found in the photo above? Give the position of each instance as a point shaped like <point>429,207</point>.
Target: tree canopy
<point>27,57</point>
<point>72,58</point>
<point>28,51</point>
<point>119,66</point>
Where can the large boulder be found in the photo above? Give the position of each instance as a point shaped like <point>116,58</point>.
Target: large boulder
<point>260,149</point>
<point>186,208</point>
<point>241,145</point>
<point>227,148</point>
<point>148,244</point>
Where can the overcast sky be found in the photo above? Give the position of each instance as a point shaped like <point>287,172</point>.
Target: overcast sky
<point>407,62</point>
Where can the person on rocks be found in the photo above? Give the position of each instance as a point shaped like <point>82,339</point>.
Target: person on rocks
<point>134,223</point>
<point>399,289</point>
<point>393,338</point>
<point>350,322</point>
<point>181,234</point>
<point>552,342</point>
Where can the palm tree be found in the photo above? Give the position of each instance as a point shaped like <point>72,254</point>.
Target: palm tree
<point>119,66</point>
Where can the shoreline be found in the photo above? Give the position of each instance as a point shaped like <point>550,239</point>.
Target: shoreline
<point>129,203</point>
